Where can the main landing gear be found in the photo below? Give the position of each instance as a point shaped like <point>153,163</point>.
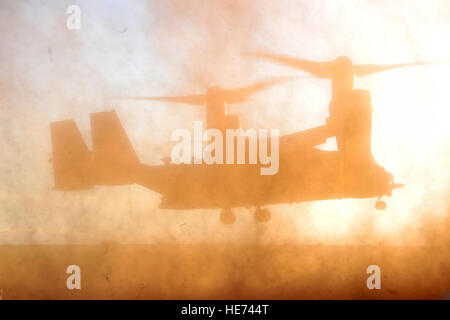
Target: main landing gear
<point>227,216</point>
<point>380,204</point>
<point>262,215</point>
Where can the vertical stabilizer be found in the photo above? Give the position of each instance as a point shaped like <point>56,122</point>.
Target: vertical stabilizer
<point>115,161</point>
<point>71,157</point>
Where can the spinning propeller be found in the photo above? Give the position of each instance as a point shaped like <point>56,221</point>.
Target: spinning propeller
<point>332,68</point>
<point>341,70</point>
<point>217,94</point>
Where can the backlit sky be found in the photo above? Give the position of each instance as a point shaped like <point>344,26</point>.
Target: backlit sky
<point>50,73</point>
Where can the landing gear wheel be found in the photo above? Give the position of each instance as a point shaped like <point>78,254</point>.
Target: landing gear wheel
<point>262,215</point>
<point>227,217</point>
<point>380,205</point>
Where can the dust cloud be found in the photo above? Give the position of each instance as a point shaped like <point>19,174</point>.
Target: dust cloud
<point>307,250</point>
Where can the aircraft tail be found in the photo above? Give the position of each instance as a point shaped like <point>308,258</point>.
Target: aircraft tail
<point>114,160</point>
<point>71,157</point>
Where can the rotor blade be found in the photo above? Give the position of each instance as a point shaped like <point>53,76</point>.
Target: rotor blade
<point>196,99</point>
<point>240,94</point>
<point>367,69</point>
<point>317,69</point>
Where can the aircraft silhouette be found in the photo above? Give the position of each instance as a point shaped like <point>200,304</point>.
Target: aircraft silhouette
<point>305,172</point>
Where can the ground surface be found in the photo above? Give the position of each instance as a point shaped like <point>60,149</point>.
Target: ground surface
<point>111,271</point>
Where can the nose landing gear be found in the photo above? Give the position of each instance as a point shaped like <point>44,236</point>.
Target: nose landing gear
<point>380,204</point>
